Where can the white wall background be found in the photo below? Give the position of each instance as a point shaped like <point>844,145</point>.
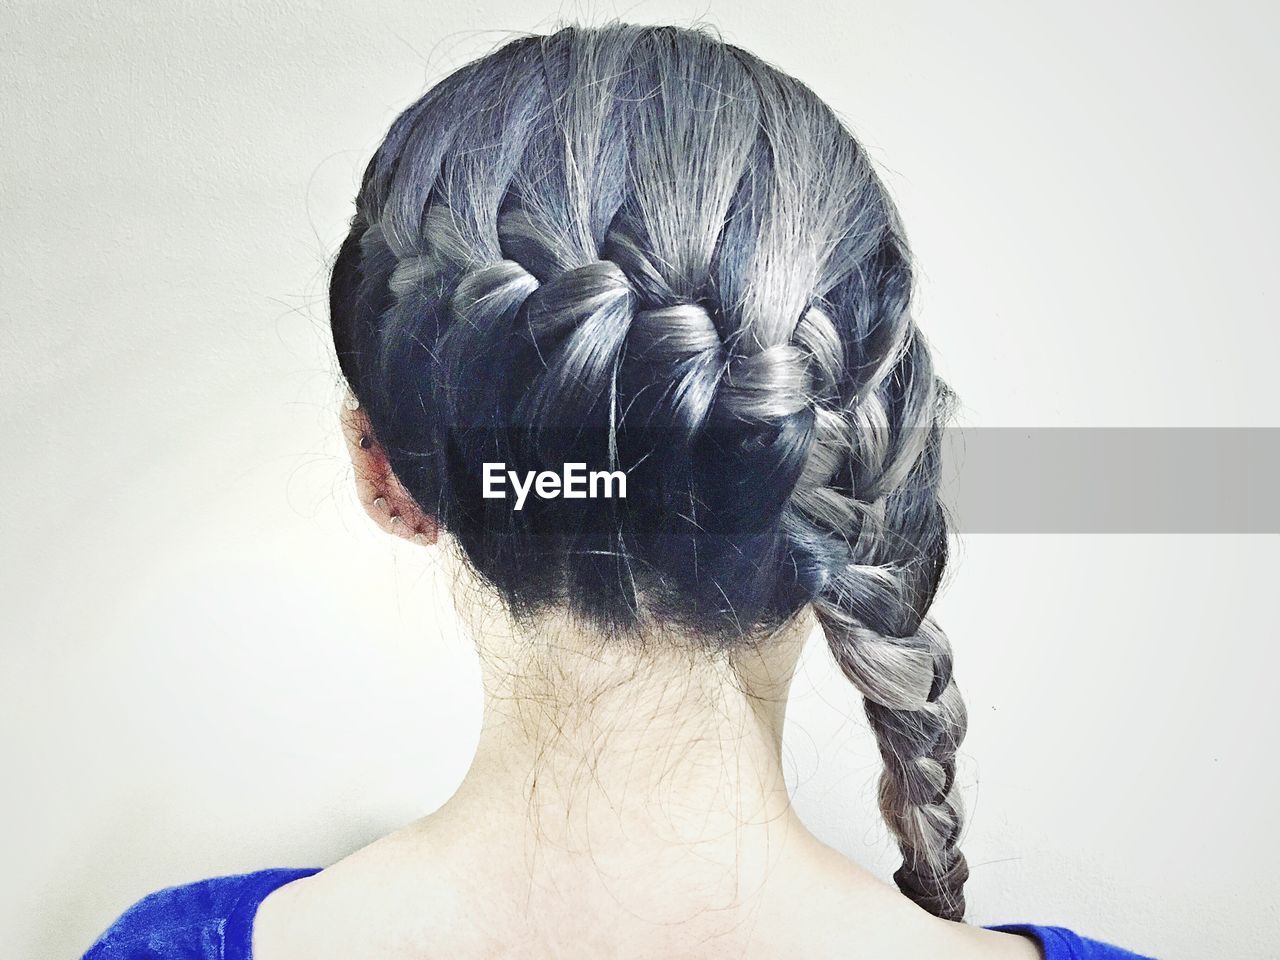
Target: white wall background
<point>212,663</point>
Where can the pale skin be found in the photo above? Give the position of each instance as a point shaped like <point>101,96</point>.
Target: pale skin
<point>621,805</point>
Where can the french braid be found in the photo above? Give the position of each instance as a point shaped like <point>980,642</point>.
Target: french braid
<point>644,249</point>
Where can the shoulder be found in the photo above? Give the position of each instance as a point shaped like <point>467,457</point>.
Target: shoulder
<point>191,921</point>
<point>1059,943</point>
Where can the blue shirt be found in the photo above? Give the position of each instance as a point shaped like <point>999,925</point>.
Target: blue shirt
<point>213,920</point>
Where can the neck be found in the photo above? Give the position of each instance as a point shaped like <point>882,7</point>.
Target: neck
<point>638,760</point>
<point>625,800</point>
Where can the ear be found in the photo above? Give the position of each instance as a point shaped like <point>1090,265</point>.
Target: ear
<point>379,489</point>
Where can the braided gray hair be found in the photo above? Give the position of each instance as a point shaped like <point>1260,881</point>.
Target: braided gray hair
<point>642,247</point>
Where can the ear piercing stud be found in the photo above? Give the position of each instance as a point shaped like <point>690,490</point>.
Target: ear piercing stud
<point>351,402</point>
<point>365,442</point>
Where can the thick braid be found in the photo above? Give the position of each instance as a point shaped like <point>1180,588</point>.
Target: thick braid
<point>869,488</point>
<point>919,719</point>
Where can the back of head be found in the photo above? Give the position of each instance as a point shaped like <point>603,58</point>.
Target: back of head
<point>643,250</point>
